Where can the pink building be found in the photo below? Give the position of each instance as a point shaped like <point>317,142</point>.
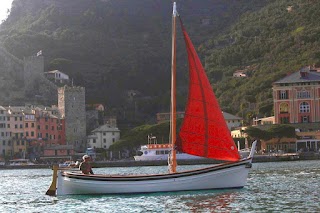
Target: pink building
<point>297,97</point>
<point>50,128</point>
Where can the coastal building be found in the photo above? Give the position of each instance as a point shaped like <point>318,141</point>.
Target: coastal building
<point>308,141</point>
<point>57,77</point>
<point>33,68</point>
<point>297,97</point>
<point>5,142</point>
<point>15,125</point>
<point>296,103</point>
<point>232,120</point>
<point>30,127</point>
<point>57,153</point>
<point>50,127</point>
<point>103,136</point>
<point>263,121</point>
<point>240,74</point>
<point>71,105</point>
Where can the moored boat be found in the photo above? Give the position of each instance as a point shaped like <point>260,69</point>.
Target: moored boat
<point>68,164</point>
<point>203,133</point>
<point>20,162</point>
<point>156,152</point>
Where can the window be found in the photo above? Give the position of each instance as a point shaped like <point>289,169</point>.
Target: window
<point>22,143</point>
<point>304,107</point>
<point>16,126</point>
<point>18,143</point>
<point>20,118</point>
<point>112,133</point>
<point>104,140</point>
<point>8,118</point>
<point>27,134</point>
<point>303,94</point>
<point>26,125</point>
<point>32,134</point>
<point>32,125</point>
<point>113,140</point>
<point>104,134</point>
<point>52,128</point>
<point>21,126</point>
<point>47,127</point>
<point>3,143</point>
<point>283,94</point>
<point>284,108</point>
<point>38,126</point>
<point>8,126</point>
<point>94,140</point>
<point>15,118</point>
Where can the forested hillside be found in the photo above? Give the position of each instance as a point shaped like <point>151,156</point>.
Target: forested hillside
<point>270,43</point>
<point>113,46</point>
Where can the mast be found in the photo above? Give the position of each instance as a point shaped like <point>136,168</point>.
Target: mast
<point>173,116</point>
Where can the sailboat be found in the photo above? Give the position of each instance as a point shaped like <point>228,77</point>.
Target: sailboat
<point>203,133</point>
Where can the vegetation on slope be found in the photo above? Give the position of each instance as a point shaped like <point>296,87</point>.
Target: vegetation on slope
<point>116,45</point>
<point>270,43</point>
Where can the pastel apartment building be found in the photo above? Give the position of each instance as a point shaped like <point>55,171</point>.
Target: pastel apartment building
<point>297,102</point>
<point>15,125</point>
<point>297,97</point>
<point>5,134</point>
<point>24,130</point>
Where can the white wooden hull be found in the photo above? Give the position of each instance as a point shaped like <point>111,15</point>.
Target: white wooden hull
<point>222,176</point>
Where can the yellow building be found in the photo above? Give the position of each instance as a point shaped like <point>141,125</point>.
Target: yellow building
<point>15,124</point>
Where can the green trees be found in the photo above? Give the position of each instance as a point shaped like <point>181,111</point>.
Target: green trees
<point>114,48</point>
<point>275,131</point>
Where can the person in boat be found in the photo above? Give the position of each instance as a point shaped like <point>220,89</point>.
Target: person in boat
<point>85,166</point>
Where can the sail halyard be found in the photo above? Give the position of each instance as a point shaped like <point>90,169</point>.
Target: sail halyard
<point>204,131</point>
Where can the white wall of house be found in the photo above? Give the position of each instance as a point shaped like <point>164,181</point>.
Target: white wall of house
<point>103,137</point>
<point>61,76</point>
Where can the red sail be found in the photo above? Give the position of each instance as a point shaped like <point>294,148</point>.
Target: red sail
<point>204,131</point>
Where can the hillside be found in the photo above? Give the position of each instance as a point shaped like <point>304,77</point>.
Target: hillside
<point>270,43</point>
<point>112,46</point>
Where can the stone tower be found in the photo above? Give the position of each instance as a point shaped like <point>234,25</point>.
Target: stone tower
<point>33,68</point>
<point>71,104</point>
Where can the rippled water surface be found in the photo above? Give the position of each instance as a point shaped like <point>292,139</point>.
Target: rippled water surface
<point>271,187</point>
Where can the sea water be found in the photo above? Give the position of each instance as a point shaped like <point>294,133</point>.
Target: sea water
<point>272,187</point>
